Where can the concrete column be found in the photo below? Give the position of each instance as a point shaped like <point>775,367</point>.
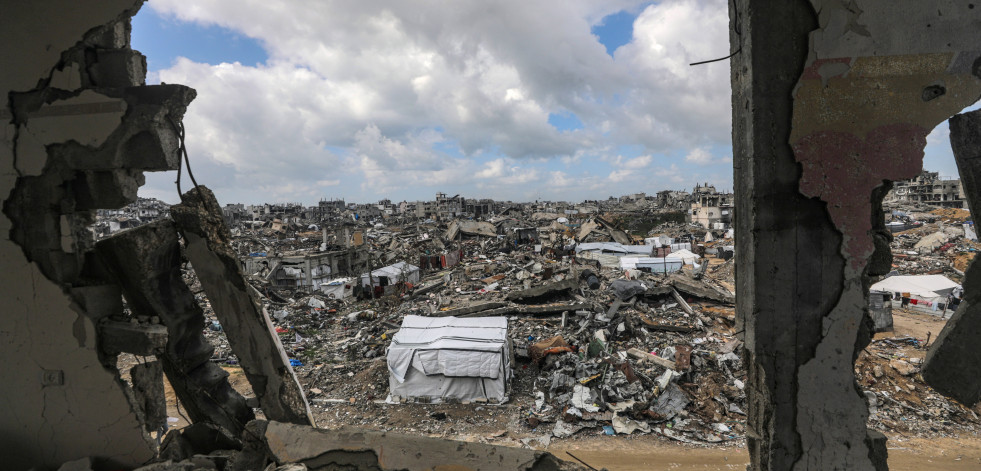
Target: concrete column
<point>247,326</point>
<point>830,103</point>
<point>145,262</point>
<point>953,363</point>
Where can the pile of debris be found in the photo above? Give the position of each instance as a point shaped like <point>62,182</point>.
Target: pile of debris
<point>599,348</point>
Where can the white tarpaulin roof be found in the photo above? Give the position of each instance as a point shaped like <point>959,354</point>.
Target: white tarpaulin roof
<point>921,286</point>
<point>439,357</point>
<point>457,335</point>
<point>685,255</point>
<point>400,271</point>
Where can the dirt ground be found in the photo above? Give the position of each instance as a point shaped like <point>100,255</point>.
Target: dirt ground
<point>651,453</point>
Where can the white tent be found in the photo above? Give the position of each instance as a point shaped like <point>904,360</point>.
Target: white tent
<point>685,256</point>
<point>392,274</point>
<point>435,359</point>
<point>926,287</point>
<point>339,288</point>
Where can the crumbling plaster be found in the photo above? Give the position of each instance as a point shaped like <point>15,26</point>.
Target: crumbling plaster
<point>873,78</point>
<point>879,77</point>
<point>62,100</point>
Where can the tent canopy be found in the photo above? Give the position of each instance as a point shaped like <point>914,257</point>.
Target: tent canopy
<point>685,255</point>
<point>920,286</point>
<point>400,271</point>
<point>450,357</point>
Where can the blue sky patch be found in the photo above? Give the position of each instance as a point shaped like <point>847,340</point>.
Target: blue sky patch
<point>565,121</point>
<point>615,30</point>
<point>162,40</point>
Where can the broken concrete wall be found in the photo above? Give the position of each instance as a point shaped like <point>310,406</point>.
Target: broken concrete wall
<point>351,448</point>
<point>77,130</point>
<point>146,263</point>
<point>830,99</point>
<point>953,364</point>
<point>244,320</point>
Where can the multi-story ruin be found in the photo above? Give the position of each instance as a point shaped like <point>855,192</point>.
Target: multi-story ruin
<point>929,188</point>
<point>710,208</point>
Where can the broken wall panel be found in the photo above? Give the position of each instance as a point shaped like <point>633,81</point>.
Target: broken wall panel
<point>60,400</point>
<point>146,263</point>
<point>953,364</point>
<point>247,326</point>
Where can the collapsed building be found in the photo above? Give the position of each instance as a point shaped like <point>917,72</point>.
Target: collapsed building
<point>930,189</point>
<point>711,208</point>
<point>831,102</point>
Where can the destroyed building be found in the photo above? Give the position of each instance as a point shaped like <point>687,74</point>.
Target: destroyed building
<point>710,208</point>
<point>830,101</point>
<point>930,189</point>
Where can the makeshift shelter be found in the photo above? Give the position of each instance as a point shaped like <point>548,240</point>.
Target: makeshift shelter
<point>391,276</point>
<point>339,288</point>
<point>686,256</point>
<point>924,291</point>
<point>880,308</point>
<point>449,359</point>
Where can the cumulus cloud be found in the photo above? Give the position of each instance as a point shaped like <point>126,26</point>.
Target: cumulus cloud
<point>702,157</point>
<point>398,96</point>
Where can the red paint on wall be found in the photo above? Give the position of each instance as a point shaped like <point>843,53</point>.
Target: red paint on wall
<point>842,169</point>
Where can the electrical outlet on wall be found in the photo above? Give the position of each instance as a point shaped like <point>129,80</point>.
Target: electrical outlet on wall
<point>52,377</point>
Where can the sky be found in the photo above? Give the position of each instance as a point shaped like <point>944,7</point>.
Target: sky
<point>570,100</point>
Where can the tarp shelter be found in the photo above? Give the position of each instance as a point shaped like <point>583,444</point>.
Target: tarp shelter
<point>685,256</point>
<point>392,275</point>
<point>441,359</point>
<point>930,288</point>
<point>339,288</point>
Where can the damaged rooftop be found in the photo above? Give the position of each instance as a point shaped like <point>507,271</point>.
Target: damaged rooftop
<point>466,294</point>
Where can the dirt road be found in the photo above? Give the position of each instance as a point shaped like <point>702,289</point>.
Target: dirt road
<point>651,453</point>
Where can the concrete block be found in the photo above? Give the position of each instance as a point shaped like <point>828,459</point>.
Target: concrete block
<point>148,387</point>
<point>953,364</point>
<point>117,68</point>
<point>126,337</point>
<point>108,189</point>
<point>146,261</point>
<point>352,448</point>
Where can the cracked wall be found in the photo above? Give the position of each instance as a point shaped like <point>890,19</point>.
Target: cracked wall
<point>832,100</point>
<point>78,130</point>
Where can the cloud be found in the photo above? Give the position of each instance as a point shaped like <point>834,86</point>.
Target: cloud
<point>702,157</point>
<point>406,97</point>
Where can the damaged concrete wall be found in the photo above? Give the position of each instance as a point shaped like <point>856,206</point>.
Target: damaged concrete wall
<point>76,134</point>
<point>953,364</point>
<point>831,100</point>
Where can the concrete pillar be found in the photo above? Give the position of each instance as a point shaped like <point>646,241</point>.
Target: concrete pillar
<point>829,101</point>
<point>247,326</point>
<point>953,363</point>
<point>146,263</point>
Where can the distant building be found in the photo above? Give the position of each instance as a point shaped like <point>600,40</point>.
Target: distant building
<point>710,208</point>
<point>930,189</point>
<point>449,207</point>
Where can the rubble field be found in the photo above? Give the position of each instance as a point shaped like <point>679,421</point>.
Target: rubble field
<point>600,352</point>
<point>621,353</point>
